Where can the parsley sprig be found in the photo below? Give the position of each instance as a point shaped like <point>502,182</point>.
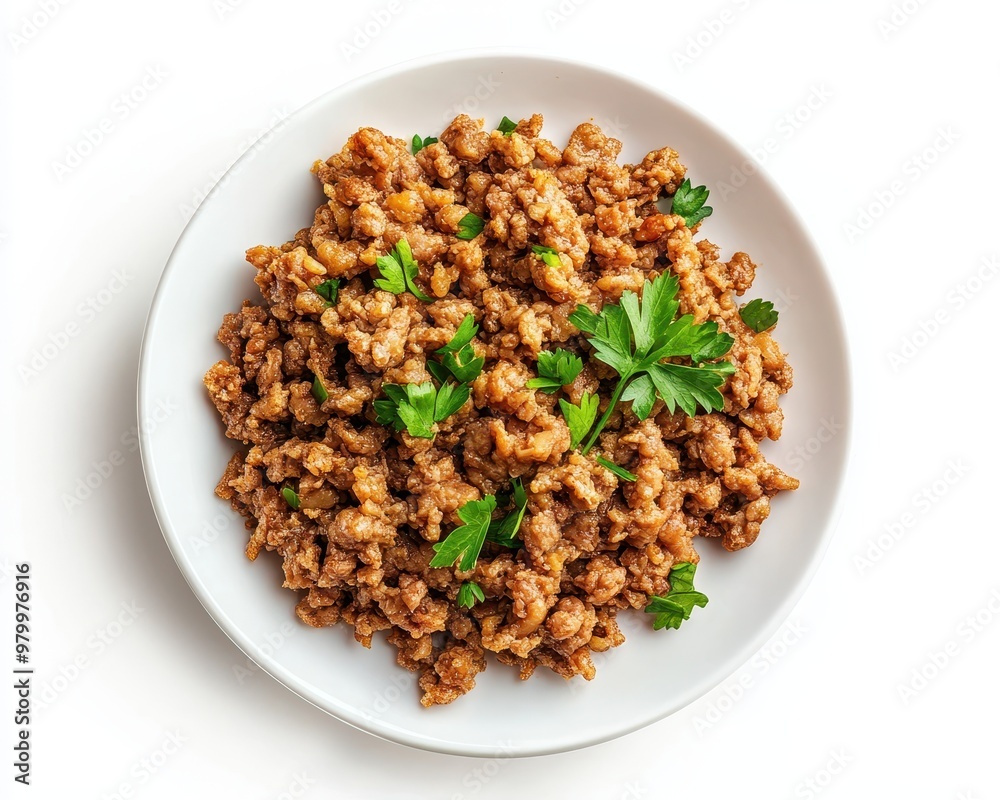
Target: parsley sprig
<point>464,544</point>
<point>580,419</point>
<point>689,203</point>
<point>676,606</point>
<point>555,370</point>
<point>416,407</point>
<point>470,593</point>
<point>759,315</point>
<point>328,290</point>
<point>399,269</point>
<point>470,226</point>
<point>506,126</point>
<point>418,144</point>
<point>549,256</point>
<point>634,338</point>
<point>458,357</point>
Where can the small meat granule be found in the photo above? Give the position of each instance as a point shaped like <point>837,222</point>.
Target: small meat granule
<point>372,501</point>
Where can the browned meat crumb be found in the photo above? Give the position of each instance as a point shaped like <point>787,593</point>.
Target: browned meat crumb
<point>373,500</point>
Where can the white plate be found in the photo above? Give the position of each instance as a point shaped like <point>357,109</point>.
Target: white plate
<point>268,195</point>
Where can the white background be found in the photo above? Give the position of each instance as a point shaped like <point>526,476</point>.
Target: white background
<point>154,702</point>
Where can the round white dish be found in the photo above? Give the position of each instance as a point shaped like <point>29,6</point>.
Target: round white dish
<point>268,195</point>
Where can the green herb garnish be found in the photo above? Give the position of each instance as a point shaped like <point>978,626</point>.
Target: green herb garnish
<point>470,593</point>
<point>759,315</point>
<point>580,419</point>
<point>634,338</point>
<point>399,269</point>
<point>319,390</point>
<point>549,256</point>
<point>676,606</point>
<point>464,543</point>
<point>416,407</point>
<point>621,472</point>
<point>555,370</point>
<point>418,144</point>
<point>328,290</point>
<point>470,226</point>
<point>504,531</point>
<point>458,357</point>
<point>291,497</point>
<point>506,126</point>
<point>690,203</point>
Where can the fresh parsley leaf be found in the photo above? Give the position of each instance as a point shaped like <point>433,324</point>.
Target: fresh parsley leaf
<point>467,329</point>
<point>328,290</point>
<point>555,370</point>
<point>470,226</point>
<point>416,407</point>
<point>759,315</point>
<point>470,593</point>
<point>634,337</point>
<point>439,371</point>
<point>291,497</point>
<point>621,472</point>
<point>690,203</point>
<point>399,269</point>
<point>319,390</point>
<point>504,531</point>
<point>580,419</point>
<point>459,358</point>
<point>506,126</point>
<point>549,256</point>
<point>464,543</point>
<point>676,606</point>
<point>418,144</point>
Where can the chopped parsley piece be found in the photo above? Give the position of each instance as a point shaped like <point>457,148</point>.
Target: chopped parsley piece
<point>464,543</point>
<point>555,370</point>
<point>470,593</point>
<point>470,226</point>
<point>690,203</point>
<point>611,466</point>
<point>418,144</point>
<point>328,290</point>
<point>506,126</point>
<point>504,531</point>
<point>634,337</point>
<point>399,269</point>
<point>458,357</point>
<point>759,315</point>
<point>676,606</point>
<point>549,256</point>
<point>580,419</point>
<point>416,407</point>
<point>291,497</point>
<point>319,390</point>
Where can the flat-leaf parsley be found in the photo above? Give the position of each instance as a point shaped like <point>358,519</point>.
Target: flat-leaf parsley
<point>676,606</point>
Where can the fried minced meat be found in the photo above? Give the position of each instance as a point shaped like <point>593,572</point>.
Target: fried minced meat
<point>374,500</point>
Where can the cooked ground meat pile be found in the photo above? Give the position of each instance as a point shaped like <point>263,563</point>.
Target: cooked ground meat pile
<point>373,500</point>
